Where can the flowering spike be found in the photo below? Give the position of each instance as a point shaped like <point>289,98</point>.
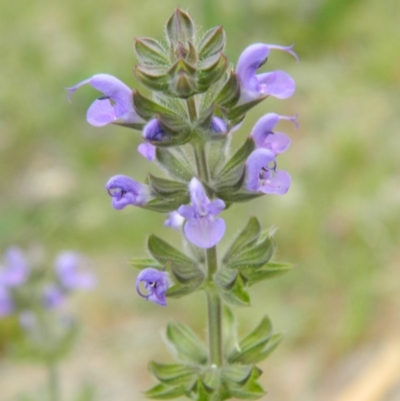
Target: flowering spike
<point>114,107</point>
<point>156,283</point>
<point>202,228</point>
<point>126,191</point>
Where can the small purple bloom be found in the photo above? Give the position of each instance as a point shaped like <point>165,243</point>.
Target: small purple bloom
<point>147,150</point>
<point>174,220</point>
<point>116,106</point>
<point>6,302</point>
<point>276,83</point>
<point>262,175</point>
<point>126,191</point>
<point>16,268</point>
<point>153,131</point>
<point>54,296</point>
<point>218,125</point>
<point>67,266</point>
<point>202,227</point>
<point>264,137</point>
<point>156,283</point>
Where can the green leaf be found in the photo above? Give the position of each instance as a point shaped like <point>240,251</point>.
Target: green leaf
<point>167,188</point>
<point>164,252</point>
<point>187,273</point>
<point>229,329</point>
<point>179,290</point>
<point>239,374</point>
<point>180,27</point>
<point>148,109</point>
<point>230,92</point>
<point>236,294</point>
<point>149,51</point>
<point>247,237</point>
<point>240,111</point>
<point>237,159</point>
<point>212,42</point>
<point>238,197</point>
<point>174,164</point>
<point>172,374</point>
<point>161,205</point>
<point>165,392</point>
<point>257,345</point>
<point>254,256</point>
<point>271,270</point>
<point>211,70</point>
<point>251,390</point>
<point>143,263</point>
<point>186,344</point>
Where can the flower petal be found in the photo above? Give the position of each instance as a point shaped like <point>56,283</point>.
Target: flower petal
<point>100,113</point>
<point>205,232</point>
<point>278,184</point>
<point>277,142</point>
<point>175,220</point>
<point>147,150</point>
<point>153,131</point>
<point>258,159</point>
<point>276,83</point>
<point>126,191</point>
<point>156,283</point>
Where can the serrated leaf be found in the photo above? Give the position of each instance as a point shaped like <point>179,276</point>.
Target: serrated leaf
<point>172,374</point>
<point>270,271</point>
<point>165,392</point>
<point>164,252</point>
<point>255,256</point>
<point>248,236</point>
<point>236,295</point>
<point>186,344</point>
<point>174,164</point>
<point>143,263</point>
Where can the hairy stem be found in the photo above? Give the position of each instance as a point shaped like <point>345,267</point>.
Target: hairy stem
<point>191,106</point>
<point>214,311</point>
<point>201,161</point>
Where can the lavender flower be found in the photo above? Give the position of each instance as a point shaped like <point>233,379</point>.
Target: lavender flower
<point>153,131</point>
<point>116,106</point>
<point>147,150</point>
<point>262,175</point>
<point>276,83</point>
<point>67,266</point>
<point>16,268</point>
<point>264,137</point>
<point>202,228</point>
<point>156,283</point>
<point>174,220</point>
<point>218,125</point>
<point>126,191</point>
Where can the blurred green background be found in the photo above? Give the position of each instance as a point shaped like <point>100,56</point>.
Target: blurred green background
<point>339,223</point>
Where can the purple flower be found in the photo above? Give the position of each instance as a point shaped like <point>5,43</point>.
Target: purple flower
<point>116,106</point>
<point>276,83</point>
<point>67,266</point>
<point>218,125</point>
<point>6,302</point>
<point>174,220</point>
<point>53,296</point>
<point>126,191</point>
<point>16,268</point>
<point>262,175</point>
<point>264,137</point>
<point>202,228</point>
<point>156,283</point>
<point>153,131</point>
<point>147,150</point>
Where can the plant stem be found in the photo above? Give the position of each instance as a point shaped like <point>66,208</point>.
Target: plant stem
<point>214,311</point>
<point>54,388</point>
<point>191,106</point>
<point>201,161</point>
